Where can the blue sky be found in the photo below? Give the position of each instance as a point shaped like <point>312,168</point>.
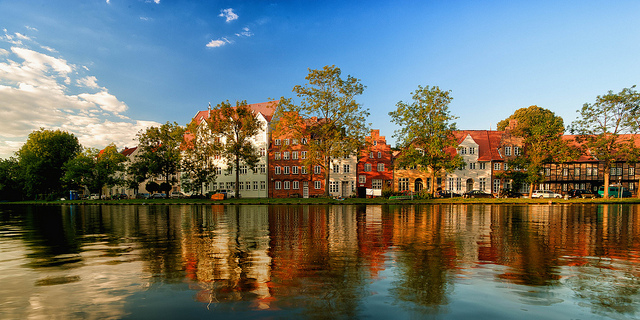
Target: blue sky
<point>106,69</point>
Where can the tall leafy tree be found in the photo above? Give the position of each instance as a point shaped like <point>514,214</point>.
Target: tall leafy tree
<point>607,128</point>
<point>540,131</point>
<point>200,147</point>
<point>10,180</point>
<point>95,169</point>
<point>236,127</point>
<point>41,160</point>
<point>426,132</point>
<point>160,150</point>
<point>327,116</point>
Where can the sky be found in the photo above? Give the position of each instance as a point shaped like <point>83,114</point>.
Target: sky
<point>106,69</point>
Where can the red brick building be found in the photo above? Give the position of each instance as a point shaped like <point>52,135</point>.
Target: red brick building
<point>375,165</point>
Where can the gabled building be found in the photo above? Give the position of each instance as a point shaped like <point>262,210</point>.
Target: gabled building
<point>375,165</point>
<point>252,183</point>
<point>479,149</point>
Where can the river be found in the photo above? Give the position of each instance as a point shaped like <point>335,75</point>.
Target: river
<point>482,261</point>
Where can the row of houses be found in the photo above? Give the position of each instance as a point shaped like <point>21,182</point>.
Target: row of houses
<point>280,172</point>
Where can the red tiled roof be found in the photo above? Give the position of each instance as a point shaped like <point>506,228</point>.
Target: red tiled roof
<point>128,151</point>
<point>267,110</point>
<point>488,142</point>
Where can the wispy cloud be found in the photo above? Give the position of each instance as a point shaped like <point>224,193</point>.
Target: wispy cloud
<point>228,14</point>
<point>145,18</point>
<point>218,43</point>
<point>245,32</point>
<point>31,28</point>
<point>38,90</point>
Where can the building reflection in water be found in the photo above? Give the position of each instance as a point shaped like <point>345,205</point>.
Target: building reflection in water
<point>321,259</point>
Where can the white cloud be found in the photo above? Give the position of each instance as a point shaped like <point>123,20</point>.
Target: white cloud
<point>105,101</point>
<point>22,36</point>
<point>41,90</point>
<point>31,28</point>
<point>90,82</point>
<point>228,14</point>
<point>218,43</point>
<point>245,32</point>
<point>145,18</point>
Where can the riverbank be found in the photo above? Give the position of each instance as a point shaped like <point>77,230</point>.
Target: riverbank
<point>348,201</point>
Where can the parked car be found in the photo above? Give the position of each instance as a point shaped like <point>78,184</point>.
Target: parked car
<point>615,192</point>
<point>142,196</point>
<point>477,194</point>
<point>446,194</point>
<point>159,196</point>
<point>508,193</point>
<point>545,194</point>
<point>177,195</point>
<point>579,193</point>
<point>94,196</point>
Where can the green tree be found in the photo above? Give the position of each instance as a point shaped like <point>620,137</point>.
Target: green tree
<point>327,117</point>
<point>152,187</point>
<point>41,160</point>
<point>95,169</point>
<point>235,129</point>
<point>11,184</point>
<point>199,149</point>
<point>160,150</point>
<point>426,132</point>
<point>607,128</point>
<point>540,131</point>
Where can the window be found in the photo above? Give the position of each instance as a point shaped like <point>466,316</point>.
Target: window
<point>286,170</point>
<point>277,156</point>
<point>507,151</point>
<point>294,141</point>
<point>376,184</point>
<point>483,183</point>
<point>294,170</point>
<point>336,168</point>
<point>632,171</point>
<point>371,154</point>
<point>367,167</point>
<point>333,186</point>
<point>565,172</point>
<point>516,151</point>
<point>243,169</point>
<point>317,184</point>
<point>472,150</point>
<point>304,170</point>
<point>286,142</point>
<point>255,185</point>
<point>403,184</point>
<point>472,165</point>
<point>304,140</point>
<point>458,184</point>
<point>263,152</point>
<point>616,171</point>
<point>303,155</point>
<point>285,156</point>
<point>496,166</point>
<point>263,185</point>
<point>450,183</point>
<point>295,185</point>
<point>595,171</point>
<point>483,165</point>
<point>278,185</point>
<point>379,154</point>
<point>632,185</point>
<point>294,155</point>
<point>576,172</point>
<point>317,169</point>
<point>362,179</point>
<point>287,185</point>
<point>375,142</point>
<point>278,170</point>
<point>346,168</point>
<point>547,171</point>
<point>380,167</point>
<point>263,169</point>
<point>277,142</point>
<point>463,150</point>
<point>496,185</point>
<point>241,185</point>
<point>218,170</point>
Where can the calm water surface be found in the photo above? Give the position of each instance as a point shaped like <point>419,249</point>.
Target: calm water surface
<point>366,262</point>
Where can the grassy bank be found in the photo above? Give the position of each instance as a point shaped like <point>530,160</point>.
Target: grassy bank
<point>328,201</point>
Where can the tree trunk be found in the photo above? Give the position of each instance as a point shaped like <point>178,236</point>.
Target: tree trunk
<point>236,188</point>
<point>530,189</point>
<point>606,184</point>
<point>326,176</point>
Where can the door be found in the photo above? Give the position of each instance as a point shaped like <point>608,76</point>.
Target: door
<point>417,187</point>
<point>345,189</point>
<point>469,185</point>
<point>305,189</point>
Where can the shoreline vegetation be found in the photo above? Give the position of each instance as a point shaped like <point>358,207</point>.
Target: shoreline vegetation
<point>326,201</point>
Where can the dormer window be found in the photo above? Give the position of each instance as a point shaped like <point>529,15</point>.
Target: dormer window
<point>463,150</point>
<point>472,150</point>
